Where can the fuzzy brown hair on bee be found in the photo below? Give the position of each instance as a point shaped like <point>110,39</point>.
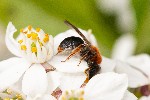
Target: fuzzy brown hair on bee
<point>87,51</point>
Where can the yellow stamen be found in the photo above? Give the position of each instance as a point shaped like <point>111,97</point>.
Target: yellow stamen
<point>20,41</point>
<point>9,91</point>
<point>23,47</point>
<point>38,38</point>
<point>41,44</point>
<point>29,27</point>
<point>28,35</point>
<point>46,34</point>
<point>34,49</point>
<point>25,32</point>
<point>81,98</point>
<point>82,92</point>
<point>34,36</point>
<point>38,29</point>
<point>46,39</point>
<point>21,30</point>
<point>19,96</point>
<point>6,98</point>
<point>63,98</point>
<point>67,92</point>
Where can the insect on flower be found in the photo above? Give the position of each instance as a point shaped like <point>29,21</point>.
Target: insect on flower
<point>87,51</point>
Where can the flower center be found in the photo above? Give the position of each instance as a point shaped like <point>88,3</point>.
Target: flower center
<point>9,94</point>
<point>35,45</point>
<point>73,95</point>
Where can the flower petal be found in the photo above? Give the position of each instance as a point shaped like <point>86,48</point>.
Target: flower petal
<point>124,47</point>
<point>10,41</point>
<point>141,62</point>
<point>136,78</point>
<point>11,75</point>
<point>145,98</point>
<point>71,81</point>
<point>5,64</point>
<point>70,66</point>
<point>107,65</point>
<point>71,32</point>
<point>53,81</point>
<point>129,96</point>
<point>47,97</point>
<point>50,48</point>
<point>34,83</point>
<point>106,86</point>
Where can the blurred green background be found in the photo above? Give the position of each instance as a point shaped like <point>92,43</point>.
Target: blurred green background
<point>50,14</point>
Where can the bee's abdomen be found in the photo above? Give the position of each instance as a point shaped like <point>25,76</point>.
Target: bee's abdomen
<point>71,42</point>
<point>94,70</point>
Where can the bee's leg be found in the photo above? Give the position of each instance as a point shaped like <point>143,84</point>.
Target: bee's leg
<point>84,56</point>
<point>87,74</point>
<point>58,53</point>
<point>76,50</point>
<point>59,50</point>
<point>94,70</point>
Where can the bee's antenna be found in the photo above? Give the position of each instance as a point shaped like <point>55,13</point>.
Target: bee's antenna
<point>77,30</point>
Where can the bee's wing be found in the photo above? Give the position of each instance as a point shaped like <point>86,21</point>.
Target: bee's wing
<point>77,30</point>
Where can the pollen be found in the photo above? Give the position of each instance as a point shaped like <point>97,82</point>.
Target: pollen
<point>81,98</point>
<point>9,91</point>
<point>18,96</point>
<point>46,38</point>
<point>23,47</point>
<point>82,92</point>
<point>38,29</point>
<point>25,32</point>
<point>73,95</point>
<point>20,41</point>
<point>6,99</point>
<point>63,98</point>
<point>28,35</point>
<point>34,49</point>
<point>34,36</point>
<point>29,27</point>
<point>21,30</point>
<point>41,44</point>
<point>46,34</point>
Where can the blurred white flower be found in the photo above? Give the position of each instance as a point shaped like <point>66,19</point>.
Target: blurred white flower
<point>124,47</point>
<point>33,49</point>
<point>122,9</point>
<point>99,88</point>
<point>136,67</point>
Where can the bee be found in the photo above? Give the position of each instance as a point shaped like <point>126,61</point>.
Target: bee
<point>87,51</point>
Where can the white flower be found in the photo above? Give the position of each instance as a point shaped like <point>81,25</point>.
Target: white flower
<point>15,94</point>
<point>122,9</point>
<point>124,47</point>
<point>107,86</point>
<point>136,67</point>
<point>145,98</point>
<point>33,49</point>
